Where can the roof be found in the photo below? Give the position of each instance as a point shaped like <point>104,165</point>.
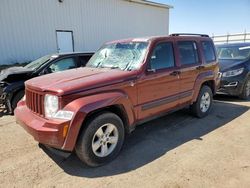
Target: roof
<point>72,53</point>
<point>137,39</point>
<point>151,38</point>
<point>146,2</point>
<point>56,55</point>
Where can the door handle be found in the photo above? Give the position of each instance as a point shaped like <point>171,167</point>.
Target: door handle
<point>200,67</point>
<point>175,73</point>
<point>132,83</point>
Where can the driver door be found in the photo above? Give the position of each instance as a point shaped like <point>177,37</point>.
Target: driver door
<point>158,88</point>
<point>62,65</point>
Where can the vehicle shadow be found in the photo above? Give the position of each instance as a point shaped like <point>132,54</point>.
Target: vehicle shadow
<point>154,139</point>
<point>229,98</point>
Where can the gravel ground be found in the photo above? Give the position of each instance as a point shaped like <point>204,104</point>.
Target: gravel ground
<point>177,150</point>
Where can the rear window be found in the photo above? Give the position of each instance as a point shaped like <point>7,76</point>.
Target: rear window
<point>188,52</point>
<point>208,51</point>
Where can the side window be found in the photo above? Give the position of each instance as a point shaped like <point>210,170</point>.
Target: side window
<point>61,65</point>
<point>208,51</point>
<point>188,52</point>
<point>162,56</point>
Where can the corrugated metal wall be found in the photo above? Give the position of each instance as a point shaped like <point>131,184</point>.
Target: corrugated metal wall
<point>28,27</point>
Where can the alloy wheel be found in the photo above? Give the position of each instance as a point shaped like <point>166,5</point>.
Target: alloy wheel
<point>105,140</point>
<point>205,102</point>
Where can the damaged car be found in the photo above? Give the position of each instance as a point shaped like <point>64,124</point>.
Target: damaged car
<point>12,79</point>
<point>234,61</point>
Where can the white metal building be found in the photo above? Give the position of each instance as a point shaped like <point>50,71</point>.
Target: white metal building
<point>33,28</point>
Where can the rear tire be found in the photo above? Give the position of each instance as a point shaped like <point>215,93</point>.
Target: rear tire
<point>246,90</point>
<point>202,106</point>
<point>101,140</point>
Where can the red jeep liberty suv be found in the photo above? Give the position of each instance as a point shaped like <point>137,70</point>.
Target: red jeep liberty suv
<point>89,110</point>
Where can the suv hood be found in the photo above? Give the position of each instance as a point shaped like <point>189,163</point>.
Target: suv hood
<point>76,80</point>
<point>226,64</point>
<point>14,74</point>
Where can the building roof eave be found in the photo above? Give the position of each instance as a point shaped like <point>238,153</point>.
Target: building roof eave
<point>146,2</point>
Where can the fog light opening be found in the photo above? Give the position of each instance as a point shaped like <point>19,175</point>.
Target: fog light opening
<point>231,84</point>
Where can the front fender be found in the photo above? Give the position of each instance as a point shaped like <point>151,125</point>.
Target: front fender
<point>83,106</point>
<point>10,90</point>
<point>13,87</point>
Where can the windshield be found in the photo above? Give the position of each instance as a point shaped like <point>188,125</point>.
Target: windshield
<point>37,63</point>
<point>233,52</point>
<point>123,56</point>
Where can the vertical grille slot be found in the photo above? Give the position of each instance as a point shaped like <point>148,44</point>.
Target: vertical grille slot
<point>34,102</point>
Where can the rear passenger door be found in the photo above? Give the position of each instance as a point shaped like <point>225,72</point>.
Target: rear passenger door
<point>190,64</point>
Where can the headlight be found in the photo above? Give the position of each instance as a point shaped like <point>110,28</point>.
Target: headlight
<point>51,108</point>
<point>51,105</point>
<point>233,72</point>
<point>3,84</point>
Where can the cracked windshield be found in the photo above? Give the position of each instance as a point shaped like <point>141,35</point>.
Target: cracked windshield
<point>123,56</point>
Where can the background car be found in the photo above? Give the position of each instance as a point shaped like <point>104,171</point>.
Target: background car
<point>12,79</point>
<point>234,60</point>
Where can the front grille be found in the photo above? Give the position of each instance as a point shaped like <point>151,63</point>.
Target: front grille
<point>34,102</point>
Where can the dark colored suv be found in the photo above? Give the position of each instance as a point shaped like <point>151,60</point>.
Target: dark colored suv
<point>12,79</point>
<point>234,61</point>
<point>125,83</point>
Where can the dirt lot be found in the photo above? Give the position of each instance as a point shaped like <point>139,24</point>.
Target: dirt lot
<point>177,150</point>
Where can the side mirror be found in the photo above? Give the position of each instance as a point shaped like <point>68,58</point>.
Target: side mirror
<point>43,72</point>
<point>149,66</point>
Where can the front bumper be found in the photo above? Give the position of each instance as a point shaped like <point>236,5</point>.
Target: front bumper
<point>231,85</point>
<point>48,132</point>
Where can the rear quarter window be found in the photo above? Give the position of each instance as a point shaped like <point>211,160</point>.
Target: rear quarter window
<point>208,51</point>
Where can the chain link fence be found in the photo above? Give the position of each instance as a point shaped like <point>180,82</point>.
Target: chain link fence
<point>232,38</point>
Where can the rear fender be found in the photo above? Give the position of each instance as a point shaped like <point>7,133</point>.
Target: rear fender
<point>202,78</point>
<point>83,106</point>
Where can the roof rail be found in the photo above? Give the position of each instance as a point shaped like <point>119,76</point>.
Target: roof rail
<point>188,34</point>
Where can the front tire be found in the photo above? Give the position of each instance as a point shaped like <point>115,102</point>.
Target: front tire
<point>101,140</point>
<point>246,90</point>
<point>202,106</point>
<point>16,98</point>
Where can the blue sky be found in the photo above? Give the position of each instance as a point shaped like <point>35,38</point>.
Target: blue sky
<point>209,16</point>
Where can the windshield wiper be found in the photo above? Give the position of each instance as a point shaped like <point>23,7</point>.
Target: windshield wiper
<point>115,67</point>
<point>111,67</point>
<point>100,63</point>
